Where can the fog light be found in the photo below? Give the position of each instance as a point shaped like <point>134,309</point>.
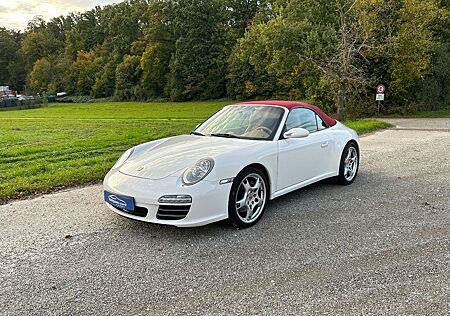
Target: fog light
<point>175,199</point>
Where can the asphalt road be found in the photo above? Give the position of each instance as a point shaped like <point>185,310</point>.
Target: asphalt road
<point>378,247</point>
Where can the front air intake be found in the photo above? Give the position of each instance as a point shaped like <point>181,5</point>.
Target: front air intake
<point>172,212</point>
<point>138,211</point>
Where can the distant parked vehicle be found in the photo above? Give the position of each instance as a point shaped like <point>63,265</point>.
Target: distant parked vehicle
<point>9,101</point>
<point>61,94</point>
<point>25,97</point>
<point>6,92</point>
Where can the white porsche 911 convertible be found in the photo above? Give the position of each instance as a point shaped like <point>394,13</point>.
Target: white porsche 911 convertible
<point>231,165</point>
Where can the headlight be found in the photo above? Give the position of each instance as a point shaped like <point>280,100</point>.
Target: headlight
<point>198,172</point>
<point>123,158</point>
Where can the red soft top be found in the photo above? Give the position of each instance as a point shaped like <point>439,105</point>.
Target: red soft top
<point>292,104</point>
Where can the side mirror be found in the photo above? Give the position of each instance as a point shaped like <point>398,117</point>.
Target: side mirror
<point>297,132</point>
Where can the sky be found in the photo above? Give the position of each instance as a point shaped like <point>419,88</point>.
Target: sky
<point>15,14</point>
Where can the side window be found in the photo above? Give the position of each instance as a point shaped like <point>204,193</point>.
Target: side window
<point>302,117</point>
<point>320,124</point>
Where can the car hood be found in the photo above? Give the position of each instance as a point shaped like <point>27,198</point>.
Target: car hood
<point>170,156</point>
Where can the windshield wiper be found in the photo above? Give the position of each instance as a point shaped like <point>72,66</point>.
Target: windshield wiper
<point>225,135</point>
<point>197,133</point>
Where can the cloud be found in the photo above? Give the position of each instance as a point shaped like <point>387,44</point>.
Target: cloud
<point>16,14</point>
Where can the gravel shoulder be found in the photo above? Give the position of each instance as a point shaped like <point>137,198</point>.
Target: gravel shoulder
<point>380,246</point>
<point>437,124</point>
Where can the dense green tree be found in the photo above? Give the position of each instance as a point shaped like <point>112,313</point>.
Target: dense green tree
<point>412,46</point>
<point>36,45</point>
<point>9,47</point>
<point>16,75</point>
<point>105,80</point>
<point>271,50</point>
<point>159,46</point>
<point>248,76</point>
<point>128,74</point>
<point>82,73</point>
<point>238,14</point>
<point>41,75</point>
<point>197,67</point>
<point>402,45</point>
<point>121,25</point>
<point>155,69</point>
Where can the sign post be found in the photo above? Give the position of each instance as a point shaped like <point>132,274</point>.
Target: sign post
<point>380,96</point>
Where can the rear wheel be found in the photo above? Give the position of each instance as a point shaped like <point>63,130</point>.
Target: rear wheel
<point>349,165</point>
<point>248,198</point>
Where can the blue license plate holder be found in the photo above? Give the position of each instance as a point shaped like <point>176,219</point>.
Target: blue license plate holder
<point>119,201</point>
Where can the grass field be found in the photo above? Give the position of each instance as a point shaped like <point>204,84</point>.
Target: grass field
<point>69,144</point>
<point>366,126</point>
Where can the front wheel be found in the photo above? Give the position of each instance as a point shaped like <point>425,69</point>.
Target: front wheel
<point>248,197</point>
<point>349,165</point>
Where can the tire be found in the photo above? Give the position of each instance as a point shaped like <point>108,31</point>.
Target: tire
<point>348,169</point>
<point>252,196</point>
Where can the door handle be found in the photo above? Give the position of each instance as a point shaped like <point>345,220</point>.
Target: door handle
<point>324,144</point>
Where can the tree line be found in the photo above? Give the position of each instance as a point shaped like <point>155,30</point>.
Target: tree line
<point>328,52</point>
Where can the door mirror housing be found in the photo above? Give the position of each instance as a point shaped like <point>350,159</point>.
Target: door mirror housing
<point>297,132</point>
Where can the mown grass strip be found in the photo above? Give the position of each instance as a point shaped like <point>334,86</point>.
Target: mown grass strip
<point>366,126</point>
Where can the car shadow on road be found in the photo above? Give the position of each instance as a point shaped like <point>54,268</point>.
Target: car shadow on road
<point>281,212</point>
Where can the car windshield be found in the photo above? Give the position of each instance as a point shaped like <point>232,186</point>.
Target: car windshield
<point>243,121</point>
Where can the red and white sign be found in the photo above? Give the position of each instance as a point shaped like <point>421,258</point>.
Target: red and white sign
<point>380,89</point>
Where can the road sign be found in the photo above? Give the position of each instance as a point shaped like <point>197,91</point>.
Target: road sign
<point>380,89</point>
<point>380,97</point>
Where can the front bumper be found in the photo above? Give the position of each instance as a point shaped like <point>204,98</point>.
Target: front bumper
<point>209,198</point>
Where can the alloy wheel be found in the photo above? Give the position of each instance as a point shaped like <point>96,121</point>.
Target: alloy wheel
<point>250,198</point>
<point>350,164</point>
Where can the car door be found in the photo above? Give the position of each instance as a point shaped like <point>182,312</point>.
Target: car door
<point>302,159</point>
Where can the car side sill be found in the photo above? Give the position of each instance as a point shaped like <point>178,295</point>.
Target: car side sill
<point>302,184</point>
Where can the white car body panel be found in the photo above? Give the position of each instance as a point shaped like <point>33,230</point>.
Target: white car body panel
<point>295,162</point>
<point>155,169</point>
<point>209,200</point>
